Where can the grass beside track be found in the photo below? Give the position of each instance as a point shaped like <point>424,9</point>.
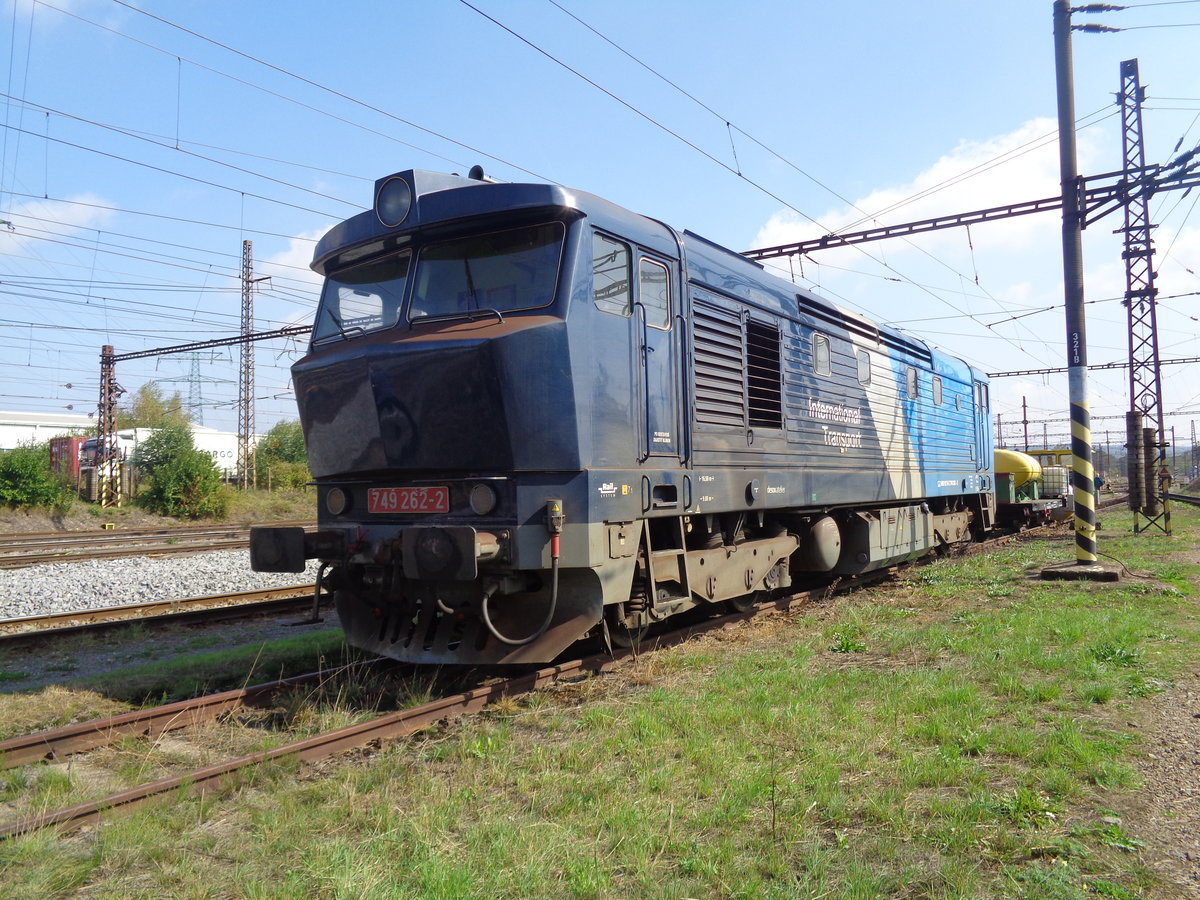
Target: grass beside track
<point>963,732</point>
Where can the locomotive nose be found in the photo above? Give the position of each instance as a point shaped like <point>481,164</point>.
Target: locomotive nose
<point>457,397</point>
<point>433,407</point>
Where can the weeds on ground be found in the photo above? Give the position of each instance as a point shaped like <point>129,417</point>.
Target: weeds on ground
<point>962,756</point>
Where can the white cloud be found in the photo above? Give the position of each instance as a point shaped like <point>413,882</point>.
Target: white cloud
<point>82,211</point>
<point>290,273</point>
<point>1014,167</point>
<point>296,257</point>
<point>994,295</point>
<point>29,221</point>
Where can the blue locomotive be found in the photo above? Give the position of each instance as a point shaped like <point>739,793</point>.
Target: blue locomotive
<point>533,415</point>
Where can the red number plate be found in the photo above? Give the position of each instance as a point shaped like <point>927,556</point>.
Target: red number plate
<point>408,500</point>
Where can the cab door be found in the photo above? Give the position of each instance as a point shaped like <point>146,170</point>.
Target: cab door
<point>657,339</point>
<point>983,435</point>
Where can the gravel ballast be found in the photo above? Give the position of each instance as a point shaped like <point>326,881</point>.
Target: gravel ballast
<point>92,584</point>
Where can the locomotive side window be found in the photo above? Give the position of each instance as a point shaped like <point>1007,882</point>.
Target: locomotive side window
<point>654,293</point>
<point>864,366</point>
<point>937,390</point>
<point>911,383</point>
<point>611,276</point>
<point>822,363</point>
<point>363,298</point>
<point>500,272</point>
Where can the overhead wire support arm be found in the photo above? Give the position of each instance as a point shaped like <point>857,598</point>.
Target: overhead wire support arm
<point>290,331</point>
<point>1019,373</point>
<point>106,431</point>
<point>937,223</point>
<point>1099,196</point>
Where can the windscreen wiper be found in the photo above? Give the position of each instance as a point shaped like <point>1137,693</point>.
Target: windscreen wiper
<point>469,314</point>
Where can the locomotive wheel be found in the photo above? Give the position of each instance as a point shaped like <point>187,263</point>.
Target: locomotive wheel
<point>620,634</point>
<point>745,602</point>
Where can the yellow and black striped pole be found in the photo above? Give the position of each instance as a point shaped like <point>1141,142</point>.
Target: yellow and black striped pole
<point>1083,480</point>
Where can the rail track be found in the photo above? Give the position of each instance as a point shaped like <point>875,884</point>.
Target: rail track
<point>1184,498</point>
<point>80,737</point>
<point>37,548</point>
<point>102,732</point>
<point>209,608</point>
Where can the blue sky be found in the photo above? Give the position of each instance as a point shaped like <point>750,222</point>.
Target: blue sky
<point>145,142</point>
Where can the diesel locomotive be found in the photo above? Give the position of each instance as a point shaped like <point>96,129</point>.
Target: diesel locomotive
<point>532,415</point>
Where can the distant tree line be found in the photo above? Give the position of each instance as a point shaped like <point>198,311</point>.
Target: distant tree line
<point>177,479</point>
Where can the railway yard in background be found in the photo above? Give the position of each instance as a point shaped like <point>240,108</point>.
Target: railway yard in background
<point>961,729</point>
<point>18,550</point>
<point>601,559</point>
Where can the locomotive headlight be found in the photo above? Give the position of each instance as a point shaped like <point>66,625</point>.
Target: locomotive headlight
<point>336,501</point>
<point>482,499</point>
<point>393,201</point>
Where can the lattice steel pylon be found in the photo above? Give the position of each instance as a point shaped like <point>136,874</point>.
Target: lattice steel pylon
<point>1145,384</point>
<point>1194,467</point>
<point>195,400</point>
<point>246,475</point>
<point>195,380</point>
<point>108,460</point>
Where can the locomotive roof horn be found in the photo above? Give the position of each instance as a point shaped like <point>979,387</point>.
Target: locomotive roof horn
<point>476,173</point>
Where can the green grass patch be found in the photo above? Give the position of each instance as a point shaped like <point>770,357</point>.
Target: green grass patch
<point>201,673</point>
<point>961,734</point>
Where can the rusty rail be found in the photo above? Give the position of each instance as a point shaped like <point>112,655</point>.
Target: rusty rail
<point>239,603</point>
<point>1183,498</point>
<point>387,727</point>
<point>80,737</point>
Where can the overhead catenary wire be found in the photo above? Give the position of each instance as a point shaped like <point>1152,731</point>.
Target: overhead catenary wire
<point>885,276</point>
<point>325,88</point>
<point>650,119</point>
<point>165,146</point>
<point>867,216</point>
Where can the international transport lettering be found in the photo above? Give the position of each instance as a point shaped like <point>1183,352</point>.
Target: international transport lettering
<point>832,412</point>
<point>841,438</point>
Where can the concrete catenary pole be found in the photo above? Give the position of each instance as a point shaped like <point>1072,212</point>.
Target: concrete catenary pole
<point>1082,475</point>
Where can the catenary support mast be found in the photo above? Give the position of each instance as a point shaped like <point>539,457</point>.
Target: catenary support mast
<point>246,387</point>
<point>1145,383</point>
<point>1082,475</point>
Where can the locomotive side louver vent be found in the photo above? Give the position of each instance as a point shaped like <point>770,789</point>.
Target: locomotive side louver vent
<point>763,375</point>
<point>720,365</point>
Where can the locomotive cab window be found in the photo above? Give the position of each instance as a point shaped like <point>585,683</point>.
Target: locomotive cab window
<point>911,383</point>
<point>937,390</point>
<point>499,272</point>
<point>822,363</point>
<point>654,293</point>
<point>611,278</point>
<point>363,298</point>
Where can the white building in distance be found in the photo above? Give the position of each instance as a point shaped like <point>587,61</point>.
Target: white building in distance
<point>17,428</point>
